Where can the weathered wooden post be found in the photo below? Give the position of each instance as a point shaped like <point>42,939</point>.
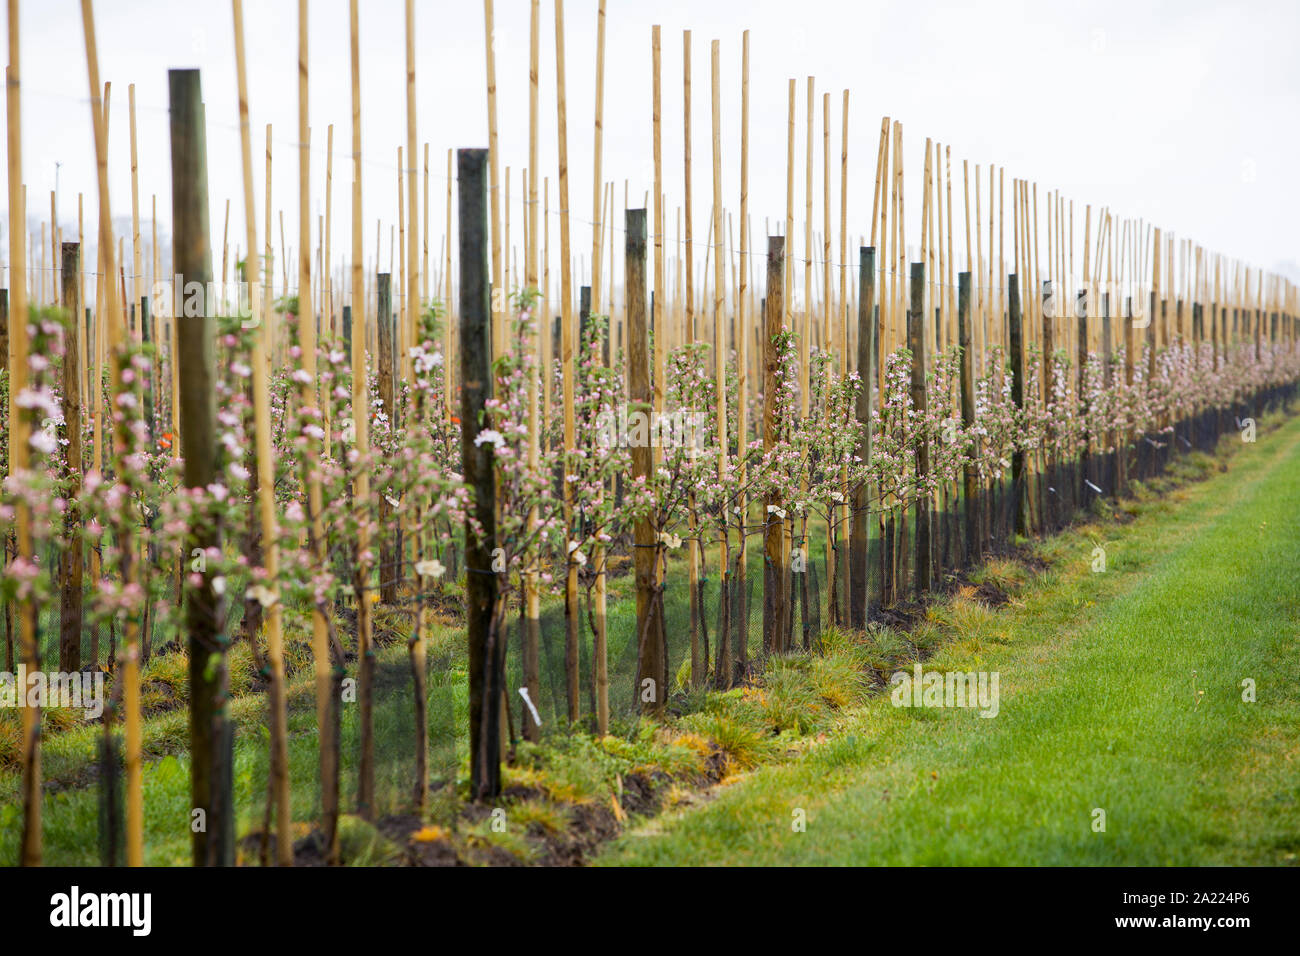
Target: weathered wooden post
<point>4,328</point>
<point>916,343</point>
<point>584,317</point>
<point>486,644</point>
<point>776,599</point>
<point>211,741</point>
<point>71,562</point>
<point>389,572</point>
<point>970,482</point>
<point>1081,304</point>
<point>652,645</point>
<point>861,532</point>
<point>5,544</point>
<point>149,551</point>
<point>596,601</point>
<point>1046,479</point>
<point>1125,436</point>
<point>1016,341</point>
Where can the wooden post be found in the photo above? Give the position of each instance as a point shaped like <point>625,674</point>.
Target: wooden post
<point>486,642</point>
<point>1046,507</point>
<point>1083,302</point>
<point>916,343</point>
<point>775,611</point>
<point>970,487</point>
<point>652,647</point>
<point>211,733</point>
<point>861,533</point>
<point>71,562</point>
<point>388,558</point>
<point>1017,359</point>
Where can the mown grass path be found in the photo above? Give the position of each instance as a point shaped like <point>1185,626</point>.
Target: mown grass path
<point>1101,707</point>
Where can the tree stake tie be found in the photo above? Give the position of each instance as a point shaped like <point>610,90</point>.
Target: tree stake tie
<point>523,692</point>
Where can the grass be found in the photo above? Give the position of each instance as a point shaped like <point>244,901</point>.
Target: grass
<point>1120,692</point>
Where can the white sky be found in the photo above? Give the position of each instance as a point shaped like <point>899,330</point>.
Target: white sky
<point>1181,113</point>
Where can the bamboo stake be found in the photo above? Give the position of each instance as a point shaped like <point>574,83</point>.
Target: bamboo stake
<point>19,451</point>
<point>723,672</point>
<point>597,191</point>
<point>807,326</point>
<point>788,284</point>
<point>321,638</point>
<point>265,478</point>
<point>742,337</point>
<point>447,304</point>
<point>880,241</point>
<point>826,240</point>
<point>897,283</point>
<point>424,234</point>
<point>843,319</point>
<point>284,260</point>
<point>494,158</point>
<point>567,357</point>
<point>412,288</point>
<point>116,336</point>
<point>225,254</point>
<point>532,595</point>
<point>327,274</point>
<point>599,640</point>
<point>692,332</point>
<point>657,303</point>
<point>951,297</point>
<point>135,207</point>
<point>360,391</point>
<point>268,313</point>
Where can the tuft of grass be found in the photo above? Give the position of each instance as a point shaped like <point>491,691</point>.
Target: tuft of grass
<point>963,614</point>
<point>743,746</point>
<point>539,816</point>
<point>1001,573</point>
<point>360,844</point>
<point>887,649</point>
<point>11,742</point>
<point>839,676</point>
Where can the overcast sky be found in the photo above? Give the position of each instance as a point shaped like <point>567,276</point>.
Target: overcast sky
<point>1183,113</point>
